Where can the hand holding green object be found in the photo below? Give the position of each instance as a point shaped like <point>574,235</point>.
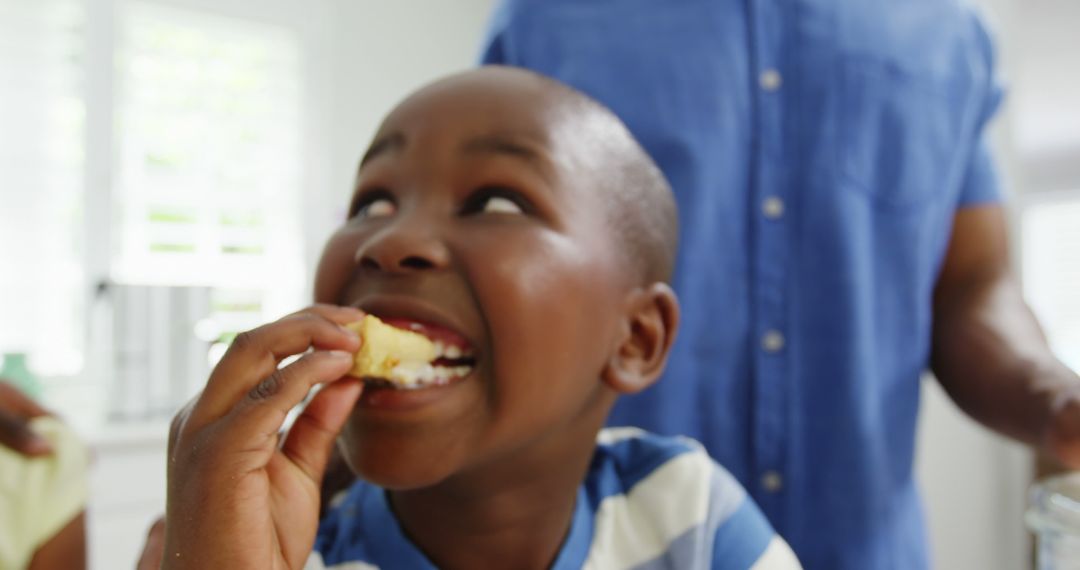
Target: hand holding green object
<point>16,410</point>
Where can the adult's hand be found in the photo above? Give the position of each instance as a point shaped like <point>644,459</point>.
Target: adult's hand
<point>989,352</point>
<point>1063,440</point>
<point>236,498</point>
<point>16,410</point>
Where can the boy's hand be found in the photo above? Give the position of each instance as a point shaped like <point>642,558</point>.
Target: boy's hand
<point>154,547</point>
<point>16,410</point>
<point>235,499</point>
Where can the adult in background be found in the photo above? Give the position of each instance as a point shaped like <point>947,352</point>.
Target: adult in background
<point>842,213</point>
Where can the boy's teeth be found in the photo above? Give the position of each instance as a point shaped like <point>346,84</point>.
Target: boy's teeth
<point>414,376</point>
<point>443,350</point>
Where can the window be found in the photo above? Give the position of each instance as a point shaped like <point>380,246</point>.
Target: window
<point>209,151</point>
<point>1051,270</point>
<point>189,124</point>
<point>205,202</point>
<point>41,165</point>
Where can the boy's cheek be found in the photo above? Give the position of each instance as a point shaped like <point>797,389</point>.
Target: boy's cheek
<point>335,266</point>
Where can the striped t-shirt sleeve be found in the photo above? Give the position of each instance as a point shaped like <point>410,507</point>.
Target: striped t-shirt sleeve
<point>684,512</point>
<point>737,539</point>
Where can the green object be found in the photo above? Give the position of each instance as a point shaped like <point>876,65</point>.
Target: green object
<point>16,372</point>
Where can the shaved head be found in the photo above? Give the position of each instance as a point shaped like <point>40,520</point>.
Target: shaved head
<point>642,211</point>
<point>594,147</point>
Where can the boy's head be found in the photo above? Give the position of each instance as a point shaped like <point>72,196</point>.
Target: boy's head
<point>517,221</point>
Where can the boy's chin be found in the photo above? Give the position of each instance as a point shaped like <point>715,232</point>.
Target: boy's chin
<point>397,475</point>
<point>401,481</point>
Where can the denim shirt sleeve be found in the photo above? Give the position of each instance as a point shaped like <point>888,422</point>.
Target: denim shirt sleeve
<point>493,49</point>
<point>981,184</point>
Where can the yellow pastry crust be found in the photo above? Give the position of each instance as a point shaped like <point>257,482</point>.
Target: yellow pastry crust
<point>384,347</point>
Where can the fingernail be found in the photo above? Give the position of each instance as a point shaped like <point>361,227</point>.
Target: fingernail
<point>341,355</point>
<point>38,444</point>
<point>353,310</point>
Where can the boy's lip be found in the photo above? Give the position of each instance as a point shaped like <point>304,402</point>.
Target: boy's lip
<point>398,401</point>
<point>414,314</point>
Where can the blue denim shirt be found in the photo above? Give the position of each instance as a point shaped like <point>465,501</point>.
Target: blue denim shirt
<point>819,150</point>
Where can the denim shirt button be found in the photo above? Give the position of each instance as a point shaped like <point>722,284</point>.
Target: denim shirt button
<point>772,207</point>
<point>770,80</point>
<point>773,341</point>
<point>772,481</point>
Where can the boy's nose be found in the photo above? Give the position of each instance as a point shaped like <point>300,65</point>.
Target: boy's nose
<point>403,247</point>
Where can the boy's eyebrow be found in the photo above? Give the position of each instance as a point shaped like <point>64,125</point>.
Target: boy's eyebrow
<point>514,146</point>
<point>503,144</point>
<point>393,141</point>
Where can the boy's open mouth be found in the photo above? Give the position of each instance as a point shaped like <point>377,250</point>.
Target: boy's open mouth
<point>453,359</point>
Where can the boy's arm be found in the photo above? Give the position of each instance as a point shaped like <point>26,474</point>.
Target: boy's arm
<point>236,498</point>
<point>988,350</point>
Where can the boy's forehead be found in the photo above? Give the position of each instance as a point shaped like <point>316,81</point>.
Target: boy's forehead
<point>512,105</point>
<point>507,111</point>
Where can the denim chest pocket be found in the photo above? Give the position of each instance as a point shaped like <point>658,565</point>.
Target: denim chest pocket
<point>896,135</point>
<point>901,94</point>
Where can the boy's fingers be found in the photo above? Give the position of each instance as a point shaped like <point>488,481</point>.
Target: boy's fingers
<point>176,427</point>
<point>337,313</point>
<point>255,355</point>
<point>311,439</point>
<point>259,417</point>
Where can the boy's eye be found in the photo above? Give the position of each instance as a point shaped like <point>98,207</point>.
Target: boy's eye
<point>500,205</point>
<point>374,207</point>
<point>494,200</point>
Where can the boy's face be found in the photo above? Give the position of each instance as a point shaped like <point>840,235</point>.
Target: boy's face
<point>474,215</point>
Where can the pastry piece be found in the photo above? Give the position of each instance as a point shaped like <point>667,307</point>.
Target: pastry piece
<point>390,353</point>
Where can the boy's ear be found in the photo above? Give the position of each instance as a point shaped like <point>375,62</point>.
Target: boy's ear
<point>650,322</point>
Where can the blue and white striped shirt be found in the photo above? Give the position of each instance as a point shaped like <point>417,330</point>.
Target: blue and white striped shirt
<point>648,502</point>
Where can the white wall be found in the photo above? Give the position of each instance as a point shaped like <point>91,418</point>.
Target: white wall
<point>381,52</point>
<point>1045,51</point>
<point>973,486</point>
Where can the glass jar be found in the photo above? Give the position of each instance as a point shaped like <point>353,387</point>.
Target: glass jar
<point>1054,516</point>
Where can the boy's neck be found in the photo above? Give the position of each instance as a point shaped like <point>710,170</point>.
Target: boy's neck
<point>514,515</point>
